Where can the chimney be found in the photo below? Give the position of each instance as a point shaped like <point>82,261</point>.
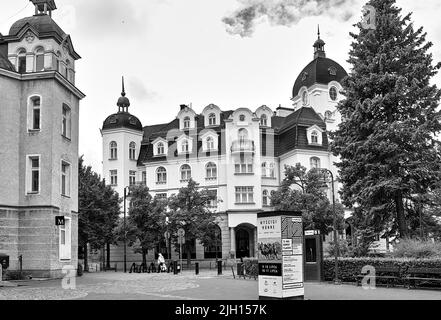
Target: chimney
<point>183,106</point>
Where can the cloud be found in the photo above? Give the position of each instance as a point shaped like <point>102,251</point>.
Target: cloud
<point>138,91</point>
<point>283,13</point>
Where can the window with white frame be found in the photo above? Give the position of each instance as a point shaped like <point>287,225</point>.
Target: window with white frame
<point>65,178</point>
<point>314,137</point>
<point>186,122</point>
<point>161,175</point>
<point>244,166</point>
<point>132,178</point>
<point>315,163</point>
<point>114,177</point>
<point>113,150</point>
<point>67,69</point>
<point>33,173</point>
<point>185,172</point>
<point>210,143</point>
<point>65,243</point>
<point>66,122</point>
<point>212,119</point>
<point>132,151</point>
<point>39,59</point>
<point>244,195</point>
<point>21,61</point>
<point>144,178</point>
<point>185,146</point>
<point>265,198</point>
<point>212,203</point>
<point>160,148</point>
<point>264,169</point>
<point>264,120</point>
<point>272,171</point>
<point>211,170</point>
<point>34,114</point>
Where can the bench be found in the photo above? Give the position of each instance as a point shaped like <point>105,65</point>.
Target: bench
<point>389,274</point>
<point>421,275</point>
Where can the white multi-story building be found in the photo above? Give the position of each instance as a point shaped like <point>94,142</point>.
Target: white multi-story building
<point>238,154</point>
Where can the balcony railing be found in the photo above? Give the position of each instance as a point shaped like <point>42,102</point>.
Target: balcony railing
<point>243,146</point>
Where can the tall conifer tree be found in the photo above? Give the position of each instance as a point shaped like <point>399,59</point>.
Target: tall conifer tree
<point>386,141</point>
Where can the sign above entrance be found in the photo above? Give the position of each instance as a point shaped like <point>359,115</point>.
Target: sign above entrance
<point>280,248</point>
<point>60,221</point>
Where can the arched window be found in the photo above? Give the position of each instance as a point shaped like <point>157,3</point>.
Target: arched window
<point>39,59</point>
<point>264,169</point>
<point>160,149</point>
<point>333,93</point>
<point>305,98</point>
<point>243,134</point>
<point>21,61</point>
<point>264,120</point>
<point>211,170</point>
<point>186,122</point>
<point>214,250</point>
<point>314,137</point>
<point>210,143</point>
<point>265,199</point>
<point>185,146</point>
<point>113,150</point>
<point>212,119</point>
<point>161,175</point>
<point>315,163</point>
<point>185,172</point>
<point>132,151</point>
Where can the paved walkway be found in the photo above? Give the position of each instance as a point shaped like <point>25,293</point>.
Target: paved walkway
<point>187,286</point>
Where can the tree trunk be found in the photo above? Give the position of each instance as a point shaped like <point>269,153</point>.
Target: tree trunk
<point>108,255</point>
<point>399,207</point>
<point>144,257</point>
<point>86,262</point>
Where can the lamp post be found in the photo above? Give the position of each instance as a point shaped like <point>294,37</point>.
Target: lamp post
<point>337,249</point>
<point>125,232</point>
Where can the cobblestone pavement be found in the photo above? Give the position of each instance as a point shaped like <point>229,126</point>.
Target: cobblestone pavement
<point>187,286</point>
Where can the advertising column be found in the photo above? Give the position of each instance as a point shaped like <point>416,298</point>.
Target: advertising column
<point>280,247</point>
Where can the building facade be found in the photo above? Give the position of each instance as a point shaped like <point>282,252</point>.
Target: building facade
<point>240,155</point>
<point>39,112</point>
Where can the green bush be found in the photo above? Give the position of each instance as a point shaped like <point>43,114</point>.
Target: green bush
<point>411,248</point>
<point>349,268</point>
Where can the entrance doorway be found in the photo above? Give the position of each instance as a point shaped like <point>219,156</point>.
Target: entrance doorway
<point>242,243</point>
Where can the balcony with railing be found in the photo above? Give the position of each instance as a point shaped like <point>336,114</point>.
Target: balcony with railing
<point>243,146</point>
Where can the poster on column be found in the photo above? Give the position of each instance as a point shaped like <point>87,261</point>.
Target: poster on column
<point>280,253</point>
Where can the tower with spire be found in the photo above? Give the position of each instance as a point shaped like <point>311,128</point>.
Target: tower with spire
<point>122,135</point>
<point>319,46</point>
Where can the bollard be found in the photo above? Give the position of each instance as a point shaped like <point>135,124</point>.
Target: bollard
<point>1,273</point>
<point>219,267</point>
<point>196,268</point>
<point>175,267</point>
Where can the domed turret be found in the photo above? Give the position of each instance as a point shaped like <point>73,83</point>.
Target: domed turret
<point>122,119</point>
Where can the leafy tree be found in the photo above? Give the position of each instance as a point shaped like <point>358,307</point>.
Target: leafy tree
<point>98,210</point>
<point>386,139</point>
<point>189,210</point>
<point>303,190</point>
<point>145,221</point>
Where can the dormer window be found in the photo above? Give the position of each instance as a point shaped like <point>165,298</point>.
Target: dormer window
<point>187,123</point>
<point>132,120</point>
<point>212,119</point>
<point>264,120</point>
<point>160,149</point>
<point>210,143</point>
<point>314,137</point>
<point>332,71</point>
<point>113,120</point>
<point>333,93</point>
<point>185,146</point>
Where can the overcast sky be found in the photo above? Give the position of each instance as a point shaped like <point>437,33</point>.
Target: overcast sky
<point>174,52</point>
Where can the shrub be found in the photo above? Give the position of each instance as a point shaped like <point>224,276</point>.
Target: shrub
<point>412,248</point>
<point>349,268</point>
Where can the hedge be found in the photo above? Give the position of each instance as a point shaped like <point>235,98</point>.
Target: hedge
<point>349,268</point>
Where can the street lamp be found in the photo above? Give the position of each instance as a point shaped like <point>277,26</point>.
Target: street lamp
<point>337,249</point>
<point>125,232</point>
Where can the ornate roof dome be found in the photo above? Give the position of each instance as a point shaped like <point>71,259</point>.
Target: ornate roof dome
<point>321,70</point>
<point>43,23</point>
<point>122,119</point>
